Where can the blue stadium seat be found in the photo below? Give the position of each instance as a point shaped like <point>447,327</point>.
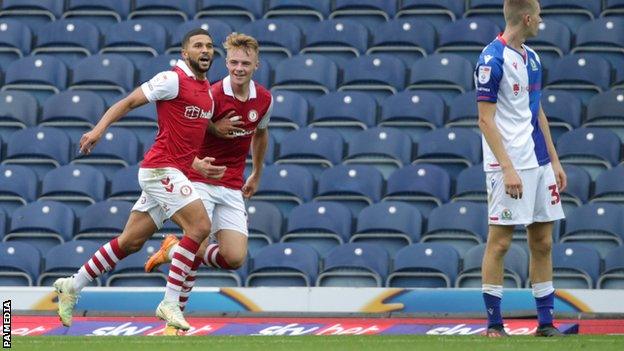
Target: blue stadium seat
<point>77,186</point>
<point>284,264</point>
<point>41,148</point>
<point>18,110</point>
<point>286,186</point>
<point>602,37</point>
<point>594,149</point>
<point>577,191</point>
<point>447,74</point>
<point>278,39</point>
<point>391,225</point>
<point>612,276</point>
<point>311,75</point>
<point>552,42</point>
<point>463,112</point>
<point>575,266</point>
<point>125,184</point>
<point>33,13</point>
<point>19,264</point>
<point>381,75</point>
<point>612,8</point>
<point>290,112</point>
<point>424,265</point>
<point>118,148</point>
<point>131,272</point>
<point>581,74</point>
<point>563,111</point>
<point>304,13</point>
<point>337,39</point>
<point>102,13</point>
<point>41,75</point>
<point>103,221</point>
<point>407,39</point>
<point>461,224</point>
<point>597,224</point>
<point>491,10</point>
<point>572,13</point>
<point>451,148</point>
<point>265,224</point>
<point>437,12</point>
<point>218,31</point>
<point>65,259</point>
<point>68,40</point>
<point>356,186</point>
<point>385,148</point>
<point>347,112</point>
<point>516,266</point>
<point>154,65</point>
<point>467,37</point>
<point>471,185</point>
<point>43,224</point>
<point>424,186</point>
<point>169,14</point>
<point>235,13</point>
<point>137,40</point>
<point>313,148</point>
<point>15,41</point>
<point>110,76</point>
<point>354,265</point>
<point>610,187</point>
<point>415,112</point>
<point>605,111</point>
<point>370,13</point>
<point>618,83</point>
<point>321,225</point>
<point>143,122</point>
<point>18,186</point>
<point>76,112</point>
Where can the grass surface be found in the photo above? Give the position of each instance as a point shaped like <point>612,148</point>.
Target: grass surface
<point>316,343</point>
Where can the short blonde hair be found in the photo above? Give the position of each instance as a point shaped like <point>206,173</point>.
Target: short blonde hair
<point>515,10</point>
<point>241,41</point>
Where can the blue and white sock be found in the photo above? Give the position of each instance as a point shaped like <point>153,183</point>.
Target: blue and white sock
<point>544,294</point>
<point>492,296</point>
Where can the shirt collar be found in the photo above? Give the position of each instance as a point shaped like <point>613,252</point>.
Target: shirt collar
<point>227,88</point>
<point>182,65</point>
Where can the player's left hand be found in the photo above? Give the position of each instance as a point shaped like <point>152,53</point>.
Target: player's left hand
<point>560,176</point>
<point>228,126</point>
<point>251,185</point>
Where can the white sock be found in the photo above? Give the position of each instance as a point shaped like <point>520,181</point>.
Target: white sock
<point>542,289</point>
<point>494,290</point>
<point>81,279</point>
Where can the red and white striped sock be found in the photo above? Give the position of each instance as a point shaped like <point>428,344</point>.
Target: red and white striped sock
<point>104,260</point>
<point>212,258</point>
<point>188,283</point>
<point>181,264</point>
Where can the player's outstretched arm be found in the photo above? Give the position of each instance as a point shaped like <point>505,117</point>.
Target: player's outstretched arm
<point>259,145</point>
<point>560,176</point>
<point>112,115</point>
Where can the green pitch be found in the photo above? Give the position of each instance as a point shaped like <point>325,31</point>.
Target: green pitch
<point>317,343</point>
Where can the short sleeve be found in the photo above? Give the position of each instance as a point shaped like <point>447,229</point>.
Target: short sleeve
<point>264,122</point>
<point>488,75</point>
<point>163,86</point>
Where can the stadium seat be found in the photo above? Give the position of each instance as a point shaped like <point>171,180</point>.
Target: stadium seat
<point>470,185</point>
<point>77,186</point>
<point>103,221</point>
<point>463,112</point>
<point>102,13</point>
<point>467,37</point>
<point>290,112</point>
<point>575,266</point>
<point>265,224</point>
<point>19,264</point>
<point>124,184</point>
<point>346,112</point>
<point>424,266</point>
<point>66,259</point>
<point>572,13</point>
<point>594,149</point>
<point>354,265</point>
<point>491,10</point>
<point>370,13</point>
<point>154,65</point>
<point>314,148</point>
<point>15,41</point>
<point>18,187</point>
<point>552,42</point>
<point>236,13</point>
<point>577,191</point>
<point>286,186</point>
<point>602,37</point>
<point>452,148</point>
<point>143,122</point>
<point>380,75</point>
<point>68,40</point>
<point>516,264</point>
<point>320,225</point>
<point>447,74</point>
<point>75,112</point>
<point>278,39</point>
<point>284,264</point>
<point>118,148</point>
<point>167,13</point>
<point>131,272</point>
<point>460,224</point>
<point>423,185</point>
<point>415,112</point>
<point>605,111</point>
<point>137,40</point>
<point>41,75</point>
<point>110,76</point>
<point>338,40</point>
<point>610,186</point>
<point>407,39</point>
<point>563,111</point>
<point>597,224</point>
<point>41,148</point>
<point>218,31</point>
<point>18,110</point>
<point>391,225</point>
<point>356,186</point>
<point>580,74</point>
<point>437,12</point>
<point>612,276</point>
<point>304,13</point>
<point>385,148</point>
<point>33,13</point>
<point>43,224</point>
<point>311,75</point>
<point>612,8</point>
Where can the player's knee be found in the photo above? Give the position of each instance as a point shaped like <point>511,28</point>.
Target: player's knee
<point>235,261</point>
<point>541,246</point>
<point>131,246</point>
<point>500,248</point>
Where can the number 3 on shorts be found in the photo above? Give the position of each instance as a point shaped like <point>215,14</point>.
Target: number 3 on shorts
<point>555,194</point>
